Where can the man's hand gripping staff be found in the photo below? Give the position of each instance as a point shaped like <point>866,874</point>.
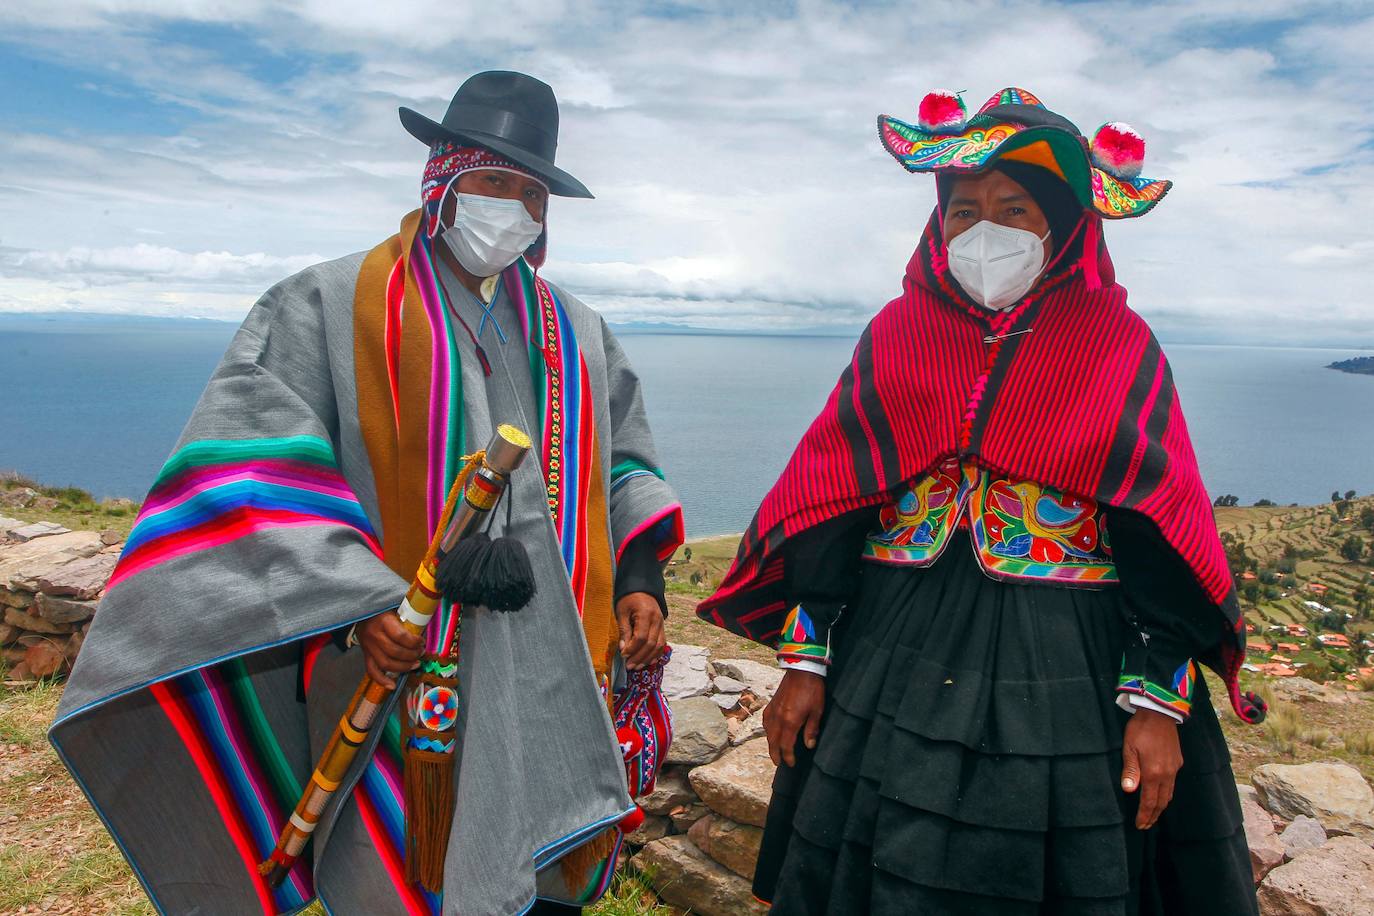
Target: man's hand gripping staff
<point>475,493</point>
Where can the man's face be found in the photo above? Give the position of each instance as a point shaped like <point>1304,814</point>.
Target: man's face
<point>993,196</point>
<point>499,183</point>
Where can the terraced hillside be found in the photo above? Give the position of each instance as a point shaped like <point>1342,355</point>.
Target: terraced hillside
<point>1307,566</point>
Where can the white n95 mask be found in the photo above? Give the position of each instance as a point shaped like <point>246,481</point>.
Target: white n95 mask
<point>489,233</point>
<point>996,265</point>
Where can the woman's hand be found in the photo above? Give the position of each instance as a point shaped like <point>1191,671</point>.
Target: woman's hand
<point>1151,759</point>
<point>796,707</point>
<point>388,647</point>
<point>641,629</point>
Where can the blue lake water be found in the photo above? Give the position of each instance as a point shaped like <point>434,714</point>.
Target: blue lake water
<point>98,403</point>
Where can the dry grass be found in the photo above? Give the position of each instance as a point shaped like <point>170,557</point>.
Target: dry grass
<point>1282,727</point>
<point>75,509</point>
<point>55,856</point>
<point>1359,741</point>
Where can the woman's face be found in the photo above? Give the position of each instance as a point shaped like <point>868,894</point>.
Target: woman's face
<point>993,196</point>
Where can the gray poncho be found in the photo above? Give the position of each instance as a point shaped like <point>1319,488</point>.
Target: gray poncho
<point>315,463</point>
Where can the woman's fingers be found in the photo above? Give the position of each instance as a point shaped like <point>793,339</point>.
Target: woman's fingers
<point>780,724</point>
<point>811,732</point>
<point>772,730</point>
<point>1130,768</point>
<point>1156,793</point>
<point>1149,809</point>
<point>1150,760</point>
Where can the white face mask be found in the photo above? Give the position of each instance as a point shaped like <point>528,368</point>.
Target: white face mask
<point>489,233</point>
<point>996,265</point>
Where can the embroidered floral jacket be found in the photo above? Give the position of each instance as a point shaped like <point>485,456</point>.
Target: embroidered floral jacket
<point>1021,532</point>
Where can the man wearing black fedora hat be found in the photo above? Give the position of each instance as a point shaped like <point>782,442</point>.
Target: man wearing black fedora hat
<point>283,532</point>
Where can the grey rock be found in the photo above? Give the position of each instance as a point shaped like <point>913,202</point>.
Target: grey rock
<point>655,827</point>
<point>81,579</point>
<point>699,731</point>
<point>685,674</point>
<point>686,877</point>
<point>1304,834</point>
<point>8,524</point>
<point>109,537</point>
<point>671,790</point>
<point>18,497</point>
<point>726,701</point>
<point>685,816</point>
<point>1333,793</point>
<point>1335,880</point>
<point>21,565</point>
<point>1247,791</point>
<point>736,846</point>
<point>1301,690</point>
<point>739,784</point>
<point>15,599</point>
<point>726,684</point>
<point>1266,849</point>
<point>742,730</point>
<point>64,610</point>
<point>760,678</point>
<point>33,624</point>
<point>37,530</point>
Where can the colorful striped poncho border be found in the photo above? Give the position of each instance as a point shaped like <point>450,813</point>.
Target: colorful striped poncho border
<point>211,492</point>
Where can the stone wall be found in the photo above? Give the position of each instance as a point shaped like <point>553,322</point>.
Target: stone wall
<point>51,580</point>
<point>701,835</point>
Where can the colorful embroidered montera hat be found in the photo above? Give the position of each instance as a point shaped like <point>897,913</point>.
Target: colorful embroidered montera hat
<point>1014,125</point>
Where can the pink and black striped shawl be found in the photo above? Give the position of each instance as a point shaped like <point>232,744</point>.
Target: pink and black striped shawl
<point>1068,388</point>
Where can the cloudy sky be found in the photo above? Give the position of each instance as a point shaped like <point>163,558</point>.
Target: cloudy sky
<point>176,157</point>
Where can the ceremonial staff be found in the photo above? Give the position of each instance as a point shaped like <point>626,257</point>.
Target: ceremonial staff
<point>474,495</point>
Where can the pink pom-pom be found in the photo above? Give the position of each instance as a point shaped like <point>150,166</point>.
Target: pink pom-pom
<point>941,112</point>
<point>1118,150</point>
<point>632,821</point>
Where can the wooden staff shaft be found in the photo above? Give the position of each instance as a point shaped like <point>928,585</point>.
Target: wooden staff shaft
<point>481,493</point>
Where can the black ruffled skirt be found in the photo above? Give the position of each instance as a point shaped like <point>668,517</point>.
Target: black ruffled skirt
<point>970,763</point>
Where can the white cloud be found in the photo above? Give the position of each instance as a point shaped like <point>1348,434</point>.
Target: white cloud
<point>731,148</point>
<point>107,265</point>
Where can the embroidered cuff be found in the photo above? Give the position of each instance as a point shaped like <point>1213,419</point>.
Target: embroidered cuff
<point>1177,697</point>
<point>803,643</point>
<point>1133,701</point>
<point>810,666</point>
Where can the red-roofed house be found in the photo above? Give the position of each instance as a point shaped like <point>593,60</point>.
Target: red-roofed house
<point>1334,640</point>
<point>1277,670</point>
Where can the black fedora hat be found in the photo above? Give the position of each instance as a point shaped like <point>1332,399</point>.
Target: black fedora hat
<point>509,113</point>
